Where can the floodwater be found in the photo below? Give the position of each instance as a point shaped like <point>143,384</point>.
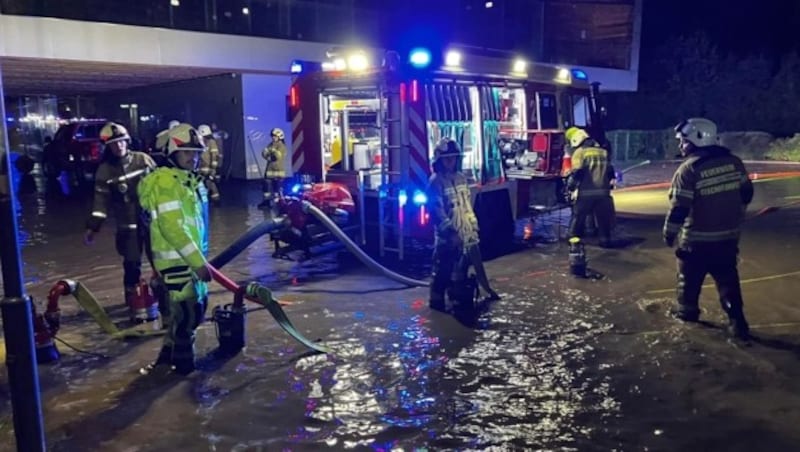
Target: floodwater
<point>557,364</point>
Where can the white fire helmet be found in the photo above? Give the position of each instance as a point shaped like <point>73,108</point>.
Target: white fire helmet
<point>204,130</point>
<point>698,131</point>
<point>112,132</point>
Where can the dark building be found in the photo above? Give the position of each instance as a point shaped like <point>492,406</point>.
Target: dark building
<point>599,33</point>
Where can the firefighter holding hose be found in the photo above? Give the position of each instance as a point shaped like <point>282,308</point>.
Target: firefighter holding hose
<point>176,199</point>
<point>456,246</point>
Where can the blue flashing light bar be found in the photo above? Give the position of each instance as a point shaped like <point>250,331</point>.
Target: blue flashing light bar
<point>420,198</point>
<point>579,74</point>
<point>296,188</point>
<point>420,58</point>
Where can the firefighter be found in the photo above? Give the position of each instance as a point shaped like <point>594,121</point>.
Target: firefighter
<point>708,197</point>
<point>274,154</point>
<point>210,162</point>
<point>114,190</point>
<point>456,226</point>
<point>589,183</point>
<point>160,147</point>
<point>176,198</point>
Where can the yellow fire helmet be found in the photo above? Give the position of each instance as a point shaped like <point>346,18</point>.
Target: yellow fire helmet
<point>184,137</point>
<point>576,136</point>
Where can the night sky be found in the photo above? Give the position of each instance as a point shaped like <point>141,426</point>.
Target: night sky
<point>769,27</point>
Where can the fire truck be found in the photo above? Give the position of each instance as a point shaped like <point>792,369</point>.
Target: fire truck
<point>372,125</point>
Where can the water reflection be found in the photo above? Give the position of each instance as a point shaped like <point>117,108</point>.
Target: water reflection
<point>401,375</point>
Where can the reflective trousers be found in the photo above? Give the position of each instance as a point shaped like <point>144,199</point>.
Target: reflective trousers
<point>182,312</point>
<point>130,244</point>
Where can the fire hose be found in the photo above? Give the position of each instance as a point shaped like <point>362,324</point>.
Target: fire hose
<point>263,228</point>
<point>281,222</point>
<point>358,252</point>
<point>256,293</point>
<point>47,325</point>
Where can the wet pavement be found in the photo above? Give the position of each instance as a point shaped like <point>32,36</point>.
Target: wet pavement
<point>558,364</point>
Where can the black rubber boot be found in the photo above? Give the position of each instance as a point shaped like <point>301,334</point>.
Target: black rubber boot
<point>184,366</point>
<point>685,314</point>
<point>162,364</point>
<point>738,328</point>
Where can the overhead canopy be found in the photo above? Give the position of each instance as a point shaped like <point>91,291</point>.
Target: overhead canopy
<point>30,76</point>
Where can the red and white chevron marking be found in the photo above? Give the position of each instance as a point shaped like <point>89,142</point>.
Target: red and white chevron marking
<point>298,158</point>
<point>418,145</point>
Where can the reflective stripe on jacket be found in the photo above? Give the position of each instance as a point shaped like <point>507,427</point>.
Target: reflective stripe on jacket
<point>175,200</point>
<point>591,169</point>
<point>451,208</point>
<point>211,160</point>
<point>708,196</point>
<point>274,154</point>
<point>119,197</point>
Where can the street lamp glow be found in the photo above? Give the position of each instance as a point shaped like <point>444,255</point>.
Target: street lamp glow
<point>245,11</point>
<point>175,2</point>
<point>488,4</point>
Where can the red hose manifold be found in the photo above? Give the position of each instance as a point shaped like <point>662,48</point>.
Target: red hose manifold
<point>51,319</point>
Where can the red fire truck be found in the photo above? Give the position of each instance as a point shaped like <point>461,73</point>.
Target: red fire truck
<point>373,126</point>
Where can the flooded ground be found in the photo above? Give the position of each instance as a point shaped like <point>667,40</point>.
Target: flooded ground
<point>558,364</point>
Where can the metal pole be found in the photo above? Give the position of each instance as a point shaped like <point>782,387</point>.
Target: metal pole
<point>23,375</point>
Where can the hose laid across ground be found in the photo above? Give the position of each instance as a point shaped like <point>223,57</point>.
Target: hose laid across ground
<point>358,252</point>
<point>261,295</point>
<point>263,228</point>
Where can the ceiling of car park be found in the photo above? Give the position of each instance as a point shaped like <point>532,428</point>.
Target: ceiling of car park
<point>28,76</point>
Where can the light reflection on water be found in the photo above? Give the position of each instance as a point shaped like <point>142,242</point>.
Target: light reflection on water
<point>525,382</point>
<point>398,378</point>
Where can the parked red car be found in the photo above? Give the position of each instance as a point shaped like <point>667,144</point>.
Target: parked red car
<point>76,148</point>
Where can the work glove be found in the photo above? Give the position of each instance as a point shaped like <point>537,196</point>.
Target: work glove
<point>669,240</point>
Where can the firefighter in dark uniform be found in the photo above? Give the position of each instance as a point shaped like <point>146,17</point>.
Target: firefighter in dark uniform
<point>709,194</point>
<point>115,189</point>
<point>590,182</point>
<point>274,173</point>
<point>210,163</point>
<point>456,226</point>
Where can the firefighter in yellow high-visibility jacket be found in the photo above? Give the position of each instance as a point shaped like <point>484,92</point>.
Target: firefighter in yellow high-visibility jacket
<point>177,200</point>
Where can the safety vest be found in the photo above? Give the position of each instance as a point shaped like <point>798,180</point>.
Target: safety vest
<point>175,200</point>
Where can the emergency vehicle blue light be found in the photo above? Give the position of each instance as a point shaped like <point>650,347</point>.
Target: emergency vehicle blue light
<point>420,198</point>
<point>296,188</point>
<point>420,58</point>
<point>297,67</point>
<point>402,198</point>
<point>578,74</point>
